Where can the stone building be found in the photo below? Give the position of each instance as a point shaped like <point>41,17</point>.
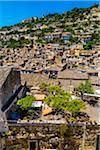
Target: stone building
<point>40,135</point>
<point>69,79</point>
<point>50,137</point>
<point>9,83</point>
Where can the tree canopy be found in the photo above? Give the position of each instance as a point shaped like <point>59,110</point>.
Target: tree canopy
<point>55,89</point>
<point>26,102</point>
<point>59,99</point>
<point>58,102</point>
<point>88,46</point>
<point>85,88</point>
<point>74,106</point>
<point>44,86</point>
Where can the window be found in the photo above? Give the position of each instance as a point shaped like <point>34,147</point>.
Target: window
<point>33,145</point>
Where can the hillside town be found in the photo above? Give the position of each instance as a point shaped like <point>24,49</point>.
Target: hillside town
<point>50,82</point>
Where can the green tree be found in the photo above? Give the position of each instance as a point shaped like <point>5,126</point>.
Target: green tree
<point>74,106</point>
<point>58,102</point>
<point>12,43</point>
<point>26,102</point>
<point>59,99</point>
<point>88,45</point>
<point>85,88</point>
<point>2,56</point>
<point>74,40</point>
<point>44,86</point>
<point>55,89</point>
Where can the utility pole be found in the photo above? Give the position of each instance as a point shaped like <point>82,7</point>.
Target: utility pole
<point>84,135</point>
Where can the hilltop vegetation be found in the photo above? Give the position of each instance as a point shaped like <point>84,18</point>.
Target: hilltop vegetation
<point>78,21</point>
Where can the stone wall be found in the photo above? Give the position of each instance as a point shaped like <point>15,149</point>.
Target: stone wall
<point>60,137</point>
<point>37,79</point>
<point>11,83</point>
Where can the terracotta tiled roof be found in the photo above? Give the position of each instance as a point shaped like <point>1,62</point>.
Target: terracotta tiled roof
<point>65,33</point>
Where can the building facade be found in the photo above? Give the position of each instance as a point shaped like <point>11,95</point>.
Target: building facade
<point>9,83</point>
